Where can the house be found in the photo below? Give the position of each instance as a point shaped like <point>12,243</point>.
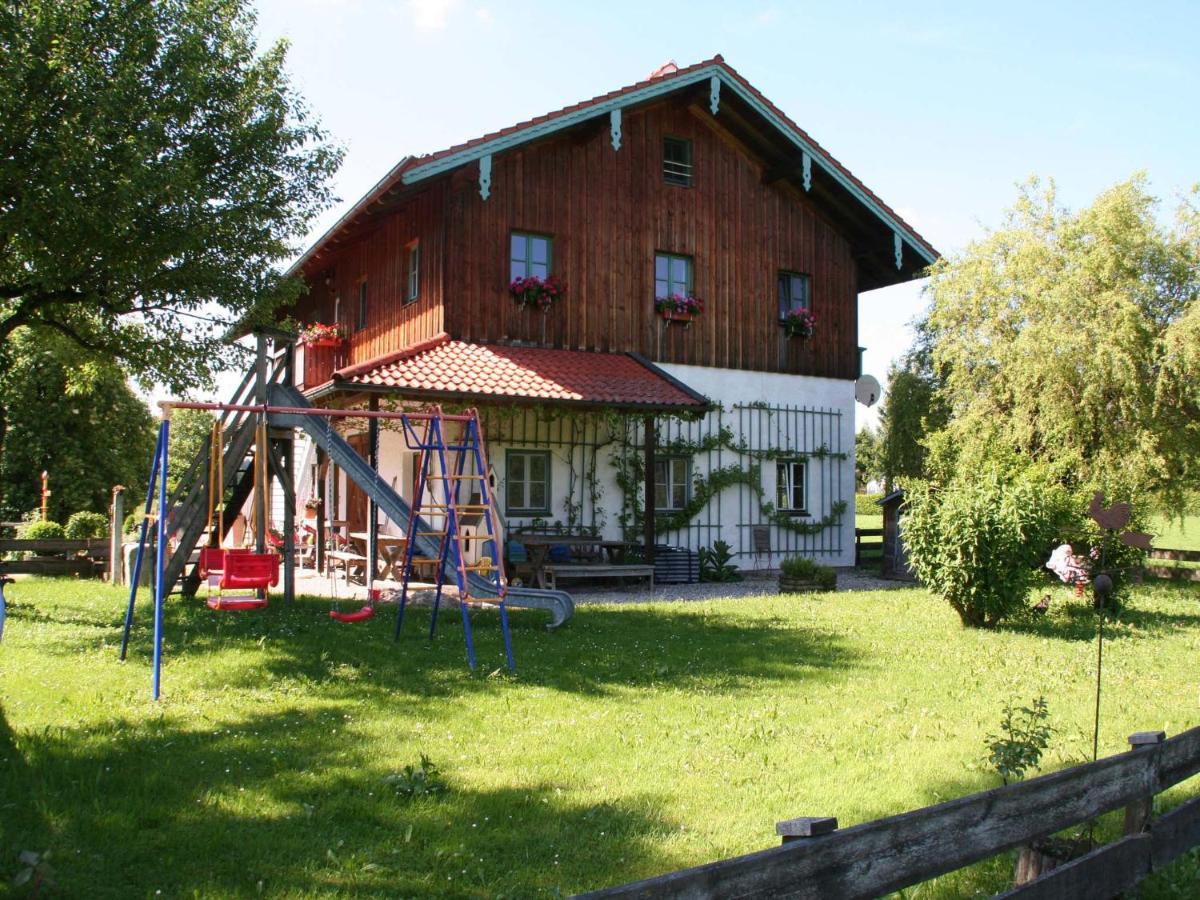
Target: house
<point>641,264</point>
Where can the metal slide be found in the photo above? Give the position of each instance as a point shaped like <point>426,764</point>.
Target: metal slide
<point>558,603</point>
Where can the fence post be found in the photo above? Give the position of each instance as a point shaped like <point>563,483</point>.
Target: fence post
<point>116,560</point>
<point>1137,813</point>
<point>805,827</point>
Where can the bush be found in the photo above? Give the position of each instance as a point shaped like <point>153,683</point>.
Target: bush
<point>868,505</point>
<point>980,542</point>
<point>715,564</point>
<point>84,525</point>
<point>42,531</point>
<point>804,569</point>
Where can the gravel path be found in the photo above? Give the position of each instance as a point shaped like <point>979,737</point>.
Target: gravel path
<point>753,584</point>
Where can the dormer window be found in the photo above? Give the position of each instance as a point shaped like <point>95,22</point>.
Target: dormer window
<point>677,161</point>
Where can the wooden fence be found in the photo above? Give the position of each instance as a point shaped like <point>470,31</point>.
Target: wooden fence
<point>1173,573</point>
<point>56,556</point>
<point>868,546</point>
<point>816,860</point>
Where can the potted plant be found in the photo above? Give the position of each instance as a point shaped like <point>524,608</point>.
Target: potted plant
<point>319,334</point>
<point>799,323</point>
<point>311,505</point>
<point>679,307</point>
<point>540,292</point>
<point>798,574</point>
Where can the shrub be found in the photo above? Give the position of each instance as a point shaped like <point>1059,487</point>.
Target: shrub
<point>715,564</point>
<point>418,781</point>
<point>1025,733</point>
<point>980,542</point>
<point>804,569</point>
<point>84,525</point>
<point>133,522</point>
<point>868,505</point>
<point>42,531</point>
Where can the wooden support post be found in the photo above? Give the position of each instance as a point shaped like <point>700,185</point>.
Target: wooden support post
<point>805,827</point>
<point>322,466</point>
<point>260,397</point>
<point>1137,813</point>
<point>289,489</point>
<point>372,507</point>
<point>649,513</point>
<point>116,561</point>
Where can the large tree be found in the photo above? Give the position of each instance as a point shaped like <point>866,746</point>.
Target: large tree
<point>155,170</point>
<point>1068,339</point>
<point>77,420</point>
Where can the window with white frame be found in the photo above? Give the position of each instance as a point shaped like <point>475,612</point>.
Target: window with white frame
<point>527,482</point>
<point>791,484</point>
<point>671,483</point>
<point>677,161</point>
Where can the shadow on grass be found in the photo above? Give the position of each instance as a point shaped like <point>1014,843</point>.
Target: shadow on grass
<point>289,803</point>
<point>605,649</point>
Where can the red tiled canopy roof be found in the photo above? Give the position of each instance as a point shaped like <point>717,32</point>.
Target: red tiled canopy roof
<point>480,372</point>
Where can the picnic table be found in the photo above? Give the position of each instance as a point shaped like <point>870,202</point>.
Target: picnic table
<point>391,552</point>
<point>545,572</point>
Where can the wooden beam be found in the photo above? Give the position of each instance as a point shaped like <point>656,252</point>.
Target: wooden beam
<point>648,518</point>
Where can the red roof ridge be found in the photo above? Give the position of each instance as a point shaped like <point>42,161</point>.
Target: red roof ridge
<point>394,356</point>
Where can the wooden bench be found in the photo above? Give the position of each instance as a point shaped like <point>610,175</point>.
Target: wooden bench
<point>349,562</point>
<point>600,570</point>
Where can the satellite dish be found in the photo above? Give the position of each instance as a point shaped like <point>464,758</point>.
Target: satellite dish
<point>867,390</point>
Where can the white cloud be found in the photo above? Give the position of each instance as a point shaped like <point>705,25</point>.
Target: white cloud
<point>431,15</point>
<point>484,15</point>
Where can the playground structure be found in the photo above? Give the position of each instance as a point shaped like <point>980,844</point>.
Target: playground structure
<point>253,438</point>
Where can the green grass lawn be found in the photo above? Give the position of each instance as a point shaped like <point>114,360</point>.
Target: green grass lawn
<point>637,740</point>
<point>1176,534</point>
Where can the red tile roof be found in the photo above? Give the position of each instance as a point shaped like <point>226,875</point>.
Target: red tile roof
<point>478,372</point>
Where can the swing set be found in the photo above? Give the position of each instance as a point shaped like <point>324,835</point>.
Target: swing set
<point>232,569</point>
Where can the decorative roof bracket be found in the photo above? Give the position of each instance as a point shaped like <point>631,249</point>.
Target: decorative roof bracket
<point>614,127</point>
<point>806,169</point>
<point>485,176</point>
<point>714,94</point>
<point>898,246</point>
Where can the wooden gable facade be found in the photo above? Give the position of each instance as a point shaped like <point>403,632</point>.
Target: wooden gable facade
<point>597,190</point>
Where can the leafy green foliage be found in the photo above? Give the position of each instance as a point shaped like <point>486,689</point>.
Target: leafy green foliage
<point>83,525</point>
<point>1070,338</point>
<point>979,542</point>
<point>912,409</point>
<point>868,459</point>
<point>412,781</point>
<point>42,531</point>
<point>191,431</point>
<point>868,504</point>
<point>158,168</point>
<point>1024,735</point>
<point>715,563</point>
<point>75,417</point>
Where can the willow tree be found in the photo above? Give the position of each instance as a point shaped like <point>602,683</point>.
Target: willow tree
<point>1069,339</point>
<point>155,170</point>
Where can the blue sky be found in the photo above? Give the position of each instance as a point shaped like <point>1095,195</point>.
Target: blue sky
<point>940,108</point>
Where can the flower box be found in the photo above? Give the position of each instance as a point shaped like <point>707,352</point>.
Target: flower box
<point>791,585</point>
<point>671,315</point>
<point>325,342</point>
<point>799,323</point>
<point>679,307</point>
<point>319,334</point>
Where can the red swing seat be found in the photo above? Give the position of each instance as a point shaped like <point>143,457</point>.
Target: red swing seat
<point>358,616</point>
<point>212,559</point>
<point>244,569</point>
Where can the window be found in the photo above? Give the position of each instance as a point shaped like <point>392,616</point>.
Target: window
<point>671,483</point>
<point>790,479</point>
<point>672,275</point>
<point>527,485</point>
<point>362,307</point>
<point>793,293</point>
<point>677,161</point>
<point>528,255</point>
<point>414,272</point>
